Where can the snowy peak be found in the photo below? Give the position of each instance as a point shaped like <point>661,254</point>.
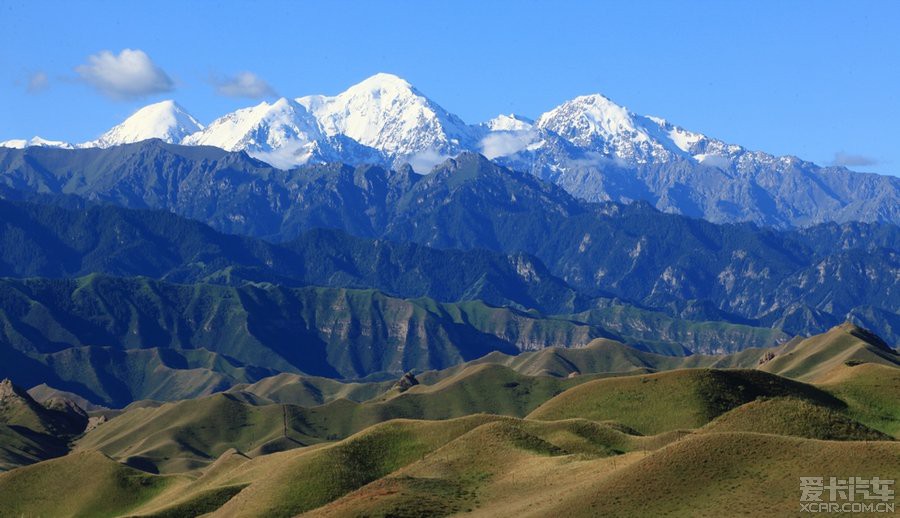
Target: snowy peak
<point>596,123</point>
<point>383,82</point>
<point>36,142</point>
<point>165,120</point>
<point>385,112</point>
<point>683,139</point>
<point>262,127</point>
<point>384,119</point>
<point>282,133</point>
<point>592,120</point>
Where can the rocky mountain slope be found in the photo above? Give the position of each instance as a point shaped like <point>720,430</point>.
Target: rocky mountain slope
<point>802,281</point>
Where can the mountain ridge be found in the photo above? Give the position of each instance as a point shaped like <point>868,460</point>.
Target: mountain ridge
<point>803,281</point>
<point>594,148</point>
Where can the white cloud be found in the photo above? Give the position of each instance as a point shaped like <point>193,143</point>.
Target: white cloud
<point>505,143</point>
<point>290,155</point>
<point>722,162</point>
<point>129,75</point>
<point>244,84</point>
<point>851,160</point>
<point>424,161</point>
<point>593,159</point>
<point>37,82</point>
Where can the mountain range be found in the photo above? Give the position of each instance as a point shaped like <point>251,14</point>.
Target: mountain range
<point>359,305</point>
<point>594,148</point>
<point>801,281</point>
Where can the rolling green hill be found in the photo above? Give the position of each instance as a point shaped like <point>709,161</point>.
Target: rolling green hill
<point>187,435</point>
<point>708,474</point>
<point>816,358</point>
<point>795,417</point>
<point>595,427</point>
<point>872,392</point>
<point>93,485</point>
<point>19,446</point>
<point>313,410</point>
<point>487,465</point>
<point>667,401</point>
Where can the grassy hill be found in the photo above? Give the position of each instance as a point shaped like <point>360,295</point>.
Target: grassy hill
<point>32,431</point>
<point>179,436</point>
<point>188,435</point>
<point>872,393</point>
<point>93,485</point>
<point>795,417</point>
<point>489,465</point>
<point>609,356</point>
<point>680,399</point>
<point>703,475</point>
<point>20,447</point>
<point>288,483</point>
<point>303,390</point>
<point>597,428</point>
<point>817,358</point>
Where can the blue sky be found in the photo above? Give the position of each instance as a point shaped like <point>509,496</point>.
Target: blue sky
<point>812,79</point>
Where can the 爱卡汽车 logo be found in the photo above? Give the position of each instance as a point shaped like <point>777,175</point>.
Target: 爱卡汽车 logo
<point>846,495</point>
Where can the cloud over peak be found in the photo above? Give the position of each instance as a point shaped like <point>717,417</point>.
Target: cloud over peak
<point>244,84</point>
<point>852,160</point>
<point>130,74</point>
<point>37,82</point>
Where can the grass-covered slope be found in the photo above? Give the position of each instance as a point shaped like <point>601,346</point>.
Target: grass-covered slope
<point>285,484</point>
<point>459,476</point>
<point>79,484</point>
<point>710,474</point>
<point>611,382</point>
<point>818,357</point>
<point>457,441</point>
<point>487,465</point>
<point>610,356</point>
<point>301,390</point>
<point>32,431</point>
<point>190,434</point>
<point>20,446</point>
<point>680,399</point>
<point>795,417</point>
<point>872,393</point>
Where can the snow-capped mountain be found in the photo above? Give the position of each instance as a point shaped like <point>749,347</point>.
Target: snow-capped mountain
<point>592,147</point>
<point>603,129</point>
<point>594,122</point>
<point>386,113</point>
<point>35,141</point>
<point>600,151</point>
<point>282,133</point>
<point>165,120</point>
